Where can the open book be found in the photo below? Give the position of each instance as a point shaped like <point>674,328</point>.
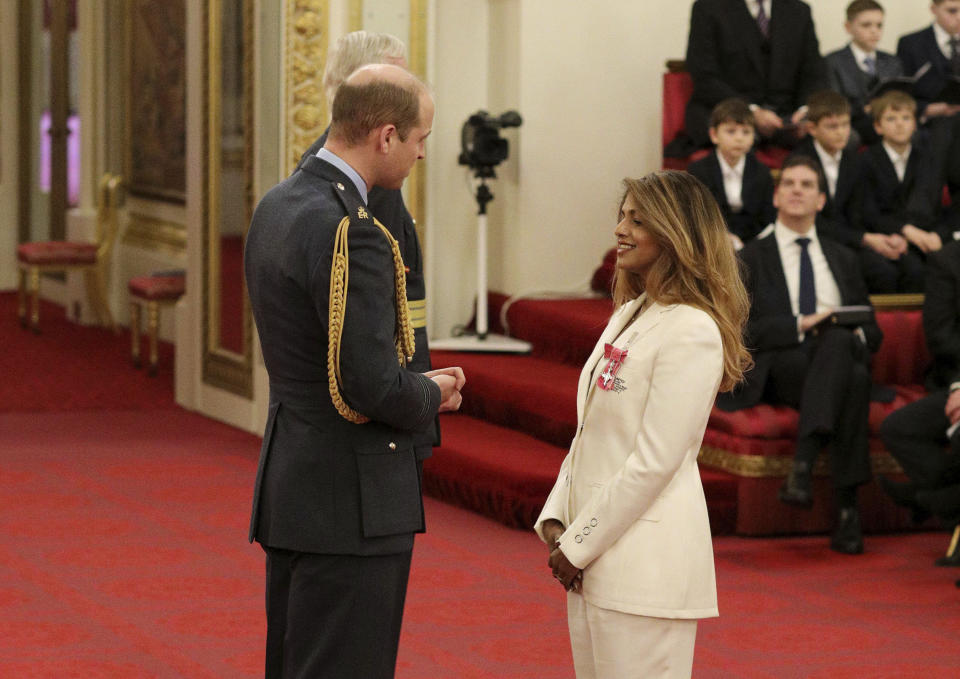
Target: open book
<point>906,83</point>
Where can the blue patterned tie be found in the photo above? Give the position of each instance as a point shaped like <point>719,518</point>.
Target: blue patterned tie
<point>808,292</point>
<point>763,21</point>
<point>871,65</point>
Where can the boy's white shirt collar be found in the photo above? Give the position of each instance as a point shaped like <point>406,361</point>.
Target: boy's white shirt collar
<point>859,55</point>
<point>943,39</point>
<point>823,153</point>
<point>727,167</point>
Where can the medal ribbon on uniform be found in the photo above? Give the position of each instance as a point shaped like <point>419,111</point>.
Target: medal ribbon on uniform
<point>616,358</point>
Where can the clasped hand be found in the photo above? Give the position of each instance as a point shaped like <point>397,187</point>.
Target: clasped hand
<point>565,572</point>
<point>450,381</point>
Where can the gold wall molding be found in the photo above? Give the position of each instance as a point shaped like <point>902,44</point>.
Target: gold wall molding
<point>778,466</point>
<point>307,35</point>
<point>150,233</point>
<point>900,301</point>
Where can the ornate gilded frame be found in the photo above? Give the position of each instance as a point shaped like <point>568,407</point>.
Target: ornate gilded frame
<point>223,368</point>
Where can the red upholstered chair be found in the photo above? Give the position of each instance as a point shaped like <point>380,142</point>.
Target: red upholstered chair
<point>677,90</point>
<point>154,292</point>
<point>91,258</point>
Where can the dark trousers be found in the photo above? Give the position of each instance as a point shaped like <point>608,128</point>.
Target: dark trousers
<point>916,437</point>
<point>332,616</point>
<point>827,379</point>
<point>886,276</point>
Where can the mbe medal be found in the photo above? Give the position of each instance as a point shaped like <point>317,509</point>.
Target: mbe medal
<point>616,358</point>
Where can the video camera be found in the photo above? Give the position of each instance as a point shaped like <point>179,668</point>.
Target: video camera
<point>482,148</point>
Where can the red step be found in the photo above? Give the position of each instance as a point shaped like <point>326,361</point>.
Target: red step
<point>507,475</point>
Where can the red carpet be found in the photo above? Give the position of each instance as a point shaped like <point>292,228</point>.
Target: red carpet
<point>72,367</point>
<point>124,555</point>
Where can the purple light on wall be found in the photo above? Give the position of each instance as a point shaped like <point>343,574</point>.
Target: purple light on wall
<point>73,157</point>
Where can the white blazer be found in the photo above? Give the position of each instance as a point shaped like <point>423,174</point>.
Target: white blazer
<point>629,489</point>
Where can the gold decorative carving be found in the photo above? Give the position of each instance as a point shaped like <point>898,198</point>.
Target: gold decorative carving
<point>149,233</point>
<point>307,35</point>
<point>355,15</point>
<point>778,466</point>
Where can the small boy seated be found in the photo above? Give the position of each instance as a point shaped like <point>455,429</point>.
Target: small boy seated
<point>828,144</point>
<point>857,68</point>
<point>741,184</point>
<point>902,193</point>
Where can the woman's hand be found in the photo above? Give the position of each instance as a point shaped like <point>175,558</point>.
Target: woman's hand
<point>569,575</point>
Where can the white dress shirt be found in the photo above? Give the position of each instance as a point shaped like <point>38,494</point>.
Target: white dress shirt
<point>899,160</point>
<point>831,166</point>
<point>828,294</point>
<point>753,6</point>
<point>733,181</point>
<point>860,57</point>
<point>943,39</point>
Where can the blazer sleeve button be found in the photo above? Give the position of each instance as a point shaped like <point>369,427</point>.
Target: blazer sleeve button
<point>578,539</point>
<point>586,530</point>
<point>593,522</point>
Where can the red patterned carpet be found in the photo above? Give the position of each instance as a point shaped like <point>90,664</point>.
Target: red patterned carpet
<point>123,554</point>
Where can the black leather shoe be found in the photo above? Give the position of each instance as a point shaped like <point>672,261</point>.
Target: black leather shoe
<point>904,495</point>
<point>796,489</point>
<point>847,538</point>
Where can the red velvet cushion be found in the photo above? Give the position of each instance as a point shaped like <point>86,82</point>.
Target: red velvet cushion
<point>57,252</point>
<point>157,287</point>
<point>602,280</point>
<point>903,356</point>
<point>677,90</point>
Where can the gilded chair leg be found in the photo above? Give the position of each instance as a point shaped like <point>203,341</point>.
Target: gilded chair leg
<point>97,296</point>
<point>153,318</point>
<point>35,299</point>
<point>22,297</point>
<point>135,333</point>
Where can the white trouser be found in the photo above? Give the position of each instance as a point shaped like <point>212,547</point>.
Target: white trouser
<point>613,645</point>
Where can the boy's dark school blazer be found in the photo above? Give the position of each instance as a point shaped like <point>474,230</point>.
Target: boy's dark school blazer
<point>849,79</point>
<point>842,215</point>
<point>888,203</point>
<point>916,49</point>
<point>756,194</point>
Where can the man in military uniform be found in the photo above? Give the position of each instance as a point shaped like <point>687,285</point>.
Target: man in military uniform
<point>350,52</point>
<point>337,496</point>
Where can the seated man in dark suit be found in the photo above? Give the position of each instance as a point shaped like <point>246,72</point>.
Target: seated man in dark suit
<point>795,280</point>
<point>762,51</point>
<point>741,184</point>
<point>917,434</point>
<point>857,68</point>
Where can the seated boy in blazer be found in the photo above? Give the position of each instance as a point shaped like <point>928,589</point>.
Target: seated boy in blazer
<point>857,68</point>
<point>741,184</point>
<point>828,143</point>
<point>902,193</point>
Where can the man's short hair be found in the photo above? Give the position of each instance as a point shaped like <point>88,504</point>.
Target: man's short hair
<point>825,103</point>
<point>357,49</point>
<point>803,160</point>
<point>897,100</point>
<point>858,6</point>
<point>360,109</point>
<point>733,110</point>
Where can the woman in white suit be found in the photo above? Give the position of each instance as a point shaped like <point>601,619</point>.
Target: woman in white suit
<point>626,522</point>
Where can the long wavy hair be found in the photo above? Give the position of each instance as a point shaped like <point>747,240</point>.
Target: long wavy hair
<point>697,265</point>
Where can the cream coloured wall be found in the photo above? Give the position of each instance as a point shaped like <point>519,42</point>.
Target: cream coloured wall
<point>586,77</point>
